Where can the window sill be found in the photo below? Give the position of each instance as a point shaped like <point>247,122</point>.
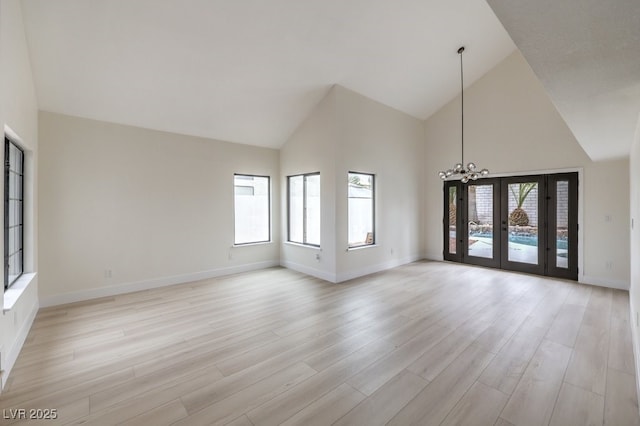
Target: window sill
<point>361,247</point>
<point>303,245</point>
<point>261,243</point>
<point>13,293</point>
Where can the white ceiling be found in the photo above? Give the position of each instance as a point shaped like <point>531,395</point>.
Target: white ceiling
<point>250,71</point>
<point>587,55</point>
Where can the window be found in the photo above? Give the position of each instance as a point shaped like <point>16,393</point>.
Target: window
<point>304,208</point>
<point>13,212</point>
<point>361,209</point>
<point>252,209</point>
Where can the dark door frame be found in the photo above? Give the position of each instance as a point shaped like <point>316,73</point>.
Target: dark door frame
<point>571,272</point>
<point>505,193</point>
<point>494,261</point>
<point>547,238</point>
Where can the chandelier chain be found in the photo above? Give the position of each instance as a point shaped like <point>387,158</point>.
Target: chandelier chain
<point>470,172</point>
<point>461,103</point>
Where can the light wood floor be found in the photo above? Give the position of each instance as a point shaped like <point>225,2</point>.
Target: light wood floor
<point>426,343</point>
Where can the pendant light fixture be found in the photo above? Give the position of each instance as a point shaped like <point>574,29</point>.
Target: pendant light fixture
<point>471,171</point>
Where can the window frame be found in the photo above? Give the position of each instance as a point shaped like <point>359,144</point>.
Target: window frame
<point>304,209</point>
<point>7,225</point>
<point>373,209</point>
<point>268,209</point>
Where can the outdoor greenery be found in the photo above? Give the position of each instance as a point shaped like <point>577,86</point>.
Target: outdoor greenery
<point>518,216</point>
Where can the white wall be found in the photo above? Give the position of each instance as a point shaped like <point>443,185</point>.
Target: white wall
<point>348,132</point>
<point>375,138</point>
<point>312,148</point>
<point>512,127</point>
<point>19,111</point>
<point>153,208</point>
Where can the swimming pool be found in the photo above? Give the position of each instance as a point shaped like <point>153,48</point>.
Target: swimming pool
<point>527,240</point>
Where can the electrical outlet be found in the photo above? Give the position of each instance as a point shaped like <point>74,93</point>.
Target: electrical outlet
<point>609,265</point>
<point>637,319</point>
<point>318,257</point>
<point>107,273</point>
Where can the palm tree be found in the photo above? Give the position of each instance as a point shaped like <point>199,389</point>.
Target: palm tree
<point>518,216</point>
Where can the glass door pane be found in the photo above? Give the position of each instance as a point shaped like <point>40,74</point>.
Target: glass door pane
<point>562,232</point>
<point>452,210</point>
<point>562,224</point>
<point>523,222</point>
<point>522,245</point>
<point>480,221</point>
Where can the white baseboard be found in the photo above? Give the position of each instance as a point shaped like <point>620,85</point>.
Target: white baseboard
<point>605,282</point>
<point>323,275</point>
<point>372,269</point>
<point>78,296</point>
<point>433,256</point>
<point>12,354</point>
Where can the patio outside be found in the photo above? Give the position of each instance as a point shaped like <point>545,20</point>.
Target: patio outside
<point>523,223</point>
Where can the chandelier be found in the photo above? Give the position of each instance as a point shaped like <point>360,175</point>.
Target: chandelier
<point>471,172</point>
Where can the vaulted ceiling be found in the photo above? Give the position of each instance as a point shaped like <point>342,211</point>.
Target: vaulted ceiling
<point>586,53</point>
<point>249,71</point>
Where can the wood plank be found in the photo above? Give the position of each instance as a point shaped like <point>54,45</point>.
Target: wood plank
<point>546,311</point>
<point>577,406</point>
<point>436,359</point>
<point>620,343</point>
<point>498,334</point>
<point>432,405</point>
<point>579,294</point>
<point>335,353</point>
<point>241,421</point>
<point>240,362</point>
<point>295,399</point>
<point>620,402</point>
<point>327,409</point>
<point>588,365</point>
<point>481,405</point>
<point>220,389</point>
<point>57,397</point>
<point>165,414</point>
<point>140,385</point>
<point>507,368</point>
<point>374,376</point>
<point>231,407</point>
<point>152,356</point>
<point>565,326</point>
<point>533,399</point>
<point>142,403</point>
<point>66,413</point>
<point>385,403</point>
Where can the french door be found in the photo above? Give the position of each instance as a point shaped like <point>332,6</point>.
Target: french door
<point>524,223</point>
